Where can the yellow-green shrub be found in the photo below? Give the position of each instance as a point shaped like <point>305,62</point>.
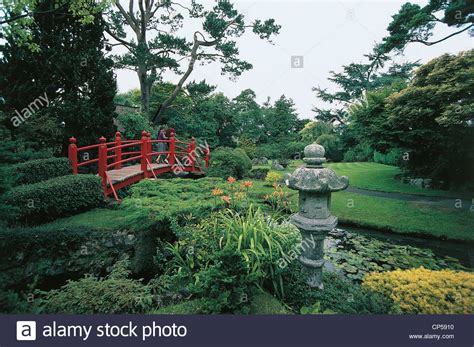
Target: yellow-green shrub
<point>425,291</point>
<point>274,177</point>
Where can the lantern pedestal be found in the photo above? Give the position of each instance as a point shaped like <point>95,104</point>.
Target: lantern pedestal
<point>314,220</point>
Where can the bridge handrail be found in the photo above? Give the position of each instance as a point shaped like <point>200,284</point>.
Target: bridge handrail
<point>145,154</point>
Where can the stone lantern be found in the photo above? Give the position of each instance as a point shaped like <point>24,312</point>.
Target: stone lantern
<point>314,220</point>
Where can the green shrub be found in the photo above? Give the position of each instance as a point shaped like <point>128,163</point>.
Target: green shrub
<point>423,291</point>
<point>158,201</point>
<point>154,207</point>
<point>293,150</point>
<point>57,197</point>
<point>39,170</point>
<point>262,243</point>
<point>11,302</point>
<point>261,303</point>
<point>273,178</point>
<point>265,303</point>
<point>225,286</point>
<point>392,157</point>
<point>116,293</point>
<point>248,146</point>
<point>227,162</point>
<point>132,125</point>
<point>339,295</point>
<point>360,152</point>
<point>259,242</point>
<point>332,145</point>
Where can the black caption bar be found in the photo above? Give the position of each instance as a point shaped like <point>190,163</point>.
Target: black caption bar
<point>233,330</point>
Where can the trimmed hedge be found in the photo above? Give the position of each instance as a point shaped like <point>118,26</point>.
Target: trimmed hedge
<point>227,162</point>
<point>35,171</point>
<point>58,197</point>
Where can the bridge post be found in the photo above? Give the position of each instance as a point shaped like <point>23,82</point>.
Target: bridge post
<point>72,154</point>
<point>172,149</point>
<point>103,161</point>
<point>118,150</point>
<point>193,153</point>
<point>150,147</point>
<point>144,153</point>
<point>207,156</point>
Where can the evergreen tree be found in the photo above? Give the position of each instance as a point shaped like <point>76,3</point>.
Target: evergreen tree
<point>69,69</point>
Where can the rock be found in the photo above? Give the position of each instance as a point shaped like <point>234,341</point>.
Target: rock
<point>258,173</point>
<point>427,182</point>
<point>418,182</point>
<point>260,161</point>
<point>276,166</point>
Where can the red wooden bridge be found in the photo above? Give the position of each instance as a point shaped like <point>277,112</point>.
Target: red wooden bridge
<point>122,162</point>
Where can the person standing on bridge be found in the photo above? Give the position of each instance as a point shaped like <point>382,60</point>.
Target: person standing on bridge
<point>162,146</point>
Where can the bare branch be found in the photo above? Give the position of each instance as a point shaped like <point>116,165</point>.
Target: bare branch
<point>426,43</point>
<point>127,17</point>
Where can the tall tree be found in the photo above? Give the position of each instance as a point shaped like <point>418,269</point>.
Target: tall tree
<point>433,120</point>
<point>156,46</point>
<point>353,83</point>
<point>249,118</point>
<point>281,121</point>
<point>69,69</point>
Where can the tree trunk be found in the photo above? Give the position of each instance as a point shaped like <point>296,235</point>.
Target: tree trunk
<point>179,86</point>
<point>144,90</point>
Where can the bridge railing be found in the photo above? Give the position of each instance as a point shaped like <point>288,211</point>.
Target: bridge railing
<point>113,155</point>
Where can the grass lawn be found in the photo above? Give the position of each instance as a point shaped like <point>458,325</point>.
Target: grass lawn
<point>404,217</point>
<point>379,177</point>
<point>101,218</point>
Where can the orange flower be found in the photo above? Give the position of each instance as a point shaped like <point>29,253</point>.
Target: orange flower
<point>217,192</point>
<point>240,196</point>
<point>275,185</point>
<point>226,198</point>
<point>246,184</point>
<point>231,179</point>
<point>278,193</point>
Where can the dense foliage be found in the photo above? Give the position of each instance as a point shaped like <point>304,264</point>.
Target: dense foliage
<point>425,291</point>
<point>339,295</point>
<point>47,254</point>
<point>227,162</point>
<point>116,293</point>
<point>54,198</point>
<point>64,88</point>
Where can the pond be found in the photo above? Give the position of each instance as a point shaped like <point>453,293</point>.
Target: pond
<point>355,251</point>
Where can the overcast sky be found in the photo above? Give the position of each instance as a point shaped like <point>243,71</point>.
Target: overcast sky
<point>327,34</point>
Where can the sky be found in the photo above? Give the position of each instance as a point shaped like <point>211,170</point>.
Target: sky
<point>325,34</point>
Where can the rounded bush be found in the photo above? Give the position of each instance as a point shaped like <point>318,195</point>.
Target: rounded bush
<point>273,177</point>
<point>227,162</point>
